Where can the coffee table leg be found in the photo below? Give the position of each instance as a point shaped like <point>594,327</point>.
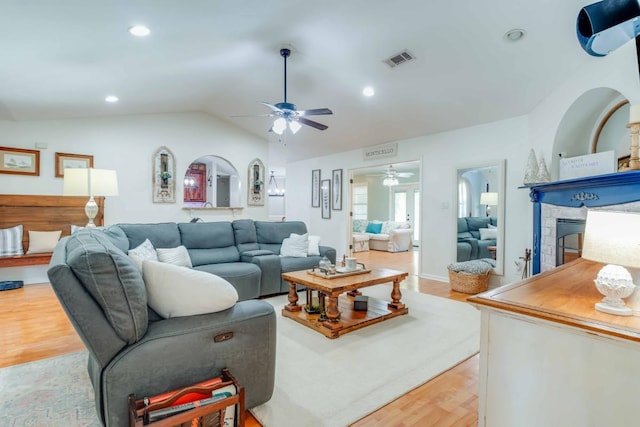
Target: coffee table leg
<point>293,298</point>
<point>396,295</point>
<point>332,313</point>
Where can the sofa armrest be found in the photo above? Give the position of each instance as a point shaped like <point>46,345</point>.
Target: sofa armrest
<point>247,256</point>
<point>329,252</point>
<point>401,231</point>
<point>271,269</point>
<point>157,363</point>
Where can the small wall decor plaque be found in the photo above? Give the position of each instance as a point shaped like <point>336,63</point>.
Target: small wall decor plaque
<point>164,176</point>
<point>256,183</point>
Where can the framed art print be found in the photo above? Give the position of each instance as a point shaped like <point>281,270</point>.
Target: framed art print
<point>336,194</point>
<point>315,188</point>
<point>19,162</point>
<point>68,161</point>
<point>325,190</point>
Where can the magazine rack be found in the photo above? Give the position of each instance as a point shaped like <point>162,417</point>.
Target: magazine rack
<point>200,412</point>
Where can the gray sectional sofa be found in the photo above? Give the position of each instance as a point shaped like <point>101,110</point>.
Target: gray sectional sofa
<point>470,245</point>
<point>132,349</point>
<point>244,252</point>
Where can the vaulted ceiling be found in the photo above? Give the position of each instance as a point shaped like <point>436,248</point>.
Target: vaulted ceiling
<point>60,59</point>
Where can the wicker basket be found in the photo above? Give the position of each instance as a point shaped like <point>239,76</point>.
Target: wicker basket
<point>469,283</point>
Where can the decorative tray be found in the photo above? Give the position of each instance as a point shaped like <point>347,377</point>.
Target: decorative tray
<point>360,269</point>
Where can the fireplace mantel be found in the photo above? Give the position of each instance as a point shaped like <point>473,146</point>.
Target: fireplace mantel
<point>593,191</point>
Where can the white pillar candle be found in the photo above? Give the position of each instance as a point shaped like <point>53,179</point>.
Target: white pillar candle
<point>634,114</point>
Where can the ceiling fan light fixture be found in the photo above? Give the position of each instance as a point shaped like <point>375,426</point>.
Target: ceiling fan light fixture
<point>390,181</point>
<point>279,125</point>
<point>294,126</point>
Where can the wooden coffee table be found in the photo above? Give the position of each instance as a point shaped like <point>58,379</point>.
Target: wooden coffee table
<point>336,296</point>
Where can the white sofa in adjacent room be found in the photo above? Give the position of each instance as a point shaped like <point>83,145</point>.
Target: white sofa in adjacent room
<point>387,236</point>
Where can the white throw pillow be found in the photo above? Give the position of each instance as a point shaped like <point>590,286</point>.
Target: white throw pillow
<point>314,245</point>
<point>491,226</point>
<point>176,256</point>
<point>11,241</point>
<point>488,233</point>
<point>174,291</point>
<point>43,241</point>
<point>295,245</point>
<point>143,251</point>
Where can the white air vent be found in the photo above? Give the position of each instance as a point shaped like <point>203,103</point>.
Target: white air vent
<point>399,58</point>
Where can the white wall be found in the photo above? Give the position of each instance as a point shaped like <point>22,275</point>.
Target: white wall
<point>127,144</point>
<point>443,153</point>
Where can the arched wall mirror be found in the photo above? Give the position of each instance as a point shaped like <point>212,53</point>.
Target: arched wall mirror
<point>211,182</point>
<point>480,213</point>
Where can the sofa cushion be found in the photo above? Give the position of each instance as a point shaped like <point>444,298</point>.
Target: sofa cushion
<point>209,242</point>
<point>112,279</point>
<point>462,225</point>
<point>245,235</point>
<point>117,237</point>
<point>374,227</point>
<point>389,226</point>
<point>271,234</point>
<point>476,223</point>
<point>43,241</point>
<point>295,245</point>
<point>11,241</point>
<point>244,276</point>
<point>161,235</point>
<point>175,291</point>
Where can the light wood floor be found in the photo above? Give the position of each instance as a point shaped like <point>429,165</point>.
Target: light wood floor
<point>34,326</point>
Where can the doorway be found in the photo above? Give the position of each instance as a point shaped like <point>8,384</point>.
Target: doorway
<point>386,192</point>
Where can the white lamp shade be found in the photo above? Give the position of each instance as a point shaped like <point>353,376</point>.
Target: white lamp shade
<point>489,199</point>
<point>612,237</point>
<point>90,182</point>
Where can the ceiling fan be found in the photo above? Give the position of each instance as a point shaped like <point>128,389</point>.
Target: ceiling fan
<point>286,112</point>
<point>391,172</point>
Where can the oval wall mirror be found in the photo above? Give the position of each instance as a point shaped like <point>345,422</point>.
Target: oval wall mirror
<point>480,213</point>
<point>211,182</point>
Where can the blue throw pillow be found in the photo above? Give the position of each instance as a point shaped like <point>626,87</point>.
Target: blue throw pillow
<point>374,228</point>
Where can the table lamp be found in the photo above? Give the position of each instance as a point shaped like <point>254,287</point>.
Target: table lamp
<point>90,182</point>
<point>489,199</point>
<point>613,238</point>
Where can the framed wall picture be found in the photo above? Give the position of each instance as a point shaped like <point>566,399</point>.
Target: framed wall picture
<point>69,161</point>
<point>325,190</point>
<point>20,162</point>
<point>336,194</point>
<point>315,188</point>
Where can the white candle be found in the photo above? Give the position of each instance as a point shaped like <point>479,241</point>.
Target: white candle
<point>634,114</point>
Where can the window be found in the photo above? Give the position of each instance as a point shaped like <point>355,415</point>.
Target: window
<point>359,194</point>
<point>463,199</point>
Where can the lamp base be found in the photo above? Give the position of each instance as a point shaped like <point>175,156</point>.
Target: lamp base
<point>617,310</point>
<point>91,209</point>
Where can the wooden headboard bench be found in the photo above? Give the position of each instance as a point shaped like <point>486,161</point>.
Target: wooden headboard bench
<point>42,213</point>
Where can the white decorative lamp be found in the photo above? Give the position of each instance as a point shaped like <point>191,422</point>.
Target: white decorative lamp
<point>613,238</point>
<point>489,199</point>
<point>90,182</point>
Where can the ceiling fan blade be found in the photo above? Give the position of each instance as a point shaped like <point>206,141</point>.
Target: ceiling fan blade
<point>315,112</point>
<point>273,107</point>
<point>311,123</point>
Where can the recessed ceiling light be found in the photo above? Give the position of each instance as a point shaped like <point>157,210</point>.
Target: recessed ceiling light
<point>139,30</point>
<point>368,91</point>
<point>111,98</point>
<point>514,35</point>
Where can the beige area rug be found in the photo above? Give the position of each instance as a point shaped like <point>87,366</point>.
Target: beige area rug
<point>325,382</point>
<point>319,381</point>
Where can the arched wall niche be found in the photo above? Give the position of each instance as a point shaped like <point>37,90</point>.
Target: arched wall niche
<point>591,116</point>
